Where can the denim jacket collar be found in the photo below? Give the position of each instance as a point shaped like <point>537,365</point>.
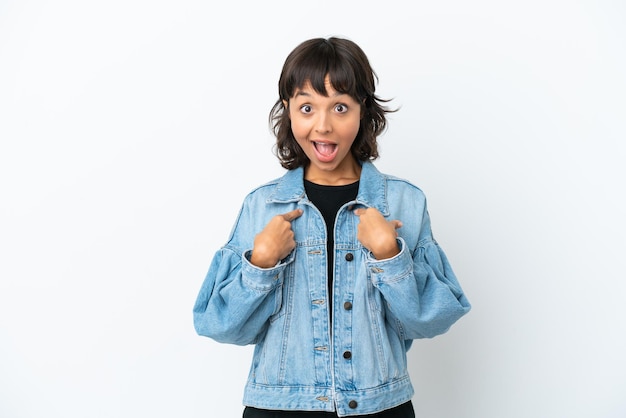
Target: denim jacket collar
<point>372,188</point>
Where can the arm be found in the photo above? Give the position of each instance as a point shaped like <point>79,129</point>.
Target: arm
<point>421,291</point>
<point>422,294</point>
<point>242,290</point>
<point>237,298</point>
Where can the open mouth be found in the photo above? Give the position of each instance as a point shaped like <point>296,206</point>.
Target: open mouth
<point>325,151</point>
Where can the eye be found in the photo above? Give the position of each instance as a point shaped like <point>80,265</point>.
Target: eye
<point>341,108</point>
<point>305,109</point>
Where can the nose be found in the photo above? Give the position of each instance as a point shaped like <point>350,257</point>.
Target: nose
<point>323,123</point>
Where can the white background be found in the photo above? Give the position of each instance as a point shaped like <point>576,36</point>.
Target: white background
<point>131,131</point>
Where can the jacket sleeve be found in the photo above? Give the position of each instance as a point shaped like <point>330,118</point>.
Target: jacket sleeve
<point>422,294</point>
<point>237,298</point>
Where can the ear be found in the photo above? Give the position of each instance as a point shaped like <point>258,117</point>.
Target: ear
<point>285,104</point>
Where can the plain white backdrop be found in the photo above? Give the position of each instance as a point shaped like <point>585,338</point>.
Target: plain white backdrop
<point>131,131</point>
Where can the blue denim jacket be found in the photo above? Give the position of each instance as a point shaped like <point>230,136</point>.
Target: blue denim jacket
<point>355,364</point>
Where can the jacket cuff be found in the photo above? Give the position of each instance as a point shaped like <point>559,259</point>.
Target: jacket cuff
<point>391,269</point>
<point>263,279</point>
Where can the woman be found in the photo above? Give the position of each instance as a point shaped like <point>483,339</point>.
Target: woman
<point>332,269</point>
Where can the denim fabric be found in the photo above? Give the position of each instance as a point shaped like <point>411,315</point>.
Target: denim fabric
<point>379,306</point>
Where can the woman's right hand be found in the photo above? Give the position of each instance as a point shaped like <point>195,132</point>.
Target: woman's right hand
<point>275,241</point>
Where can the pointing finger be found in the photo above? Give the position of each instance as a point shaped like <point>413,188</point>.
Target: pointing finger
<point>290,216</point>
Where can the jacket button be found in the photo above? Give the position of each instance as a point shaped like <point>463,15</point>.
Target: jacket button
<point>347,355</point>
<point>353,404</point>
<point>347,306</point>
<point>349,257</point>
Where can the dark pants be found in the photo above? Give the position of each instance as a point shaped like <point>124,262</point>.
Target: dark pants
<point>402,411</point>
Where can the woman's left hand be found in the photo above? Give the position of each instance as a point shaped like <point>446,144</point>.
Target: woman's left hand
<point>377,234</point>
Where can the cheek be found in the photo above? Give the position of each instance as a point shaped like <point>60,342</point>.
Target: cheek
<point>299,129</point>
<point>296,131</point>
<point>352,129</point>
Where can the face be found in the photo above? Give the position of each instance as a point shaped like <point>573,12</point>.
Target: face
<point>325,128</point>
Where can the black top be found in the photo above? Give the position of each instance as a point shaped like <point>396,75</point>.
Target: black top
<point>403,411</point>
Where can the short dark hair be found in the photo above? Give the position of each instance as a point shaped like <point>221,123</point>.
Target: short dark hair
<point>350,73</point>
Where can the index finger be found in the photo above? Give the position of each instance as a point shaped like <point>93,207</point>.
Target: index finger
<point>360,211</point>
<point>290,216</point>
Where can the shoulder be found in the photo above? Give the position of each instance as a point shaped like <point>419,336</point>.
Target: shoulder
<point>287,188</point>
<point>381,190</point>
<point>266,187</point>
<point>261,193</point>
<point>402,186</point>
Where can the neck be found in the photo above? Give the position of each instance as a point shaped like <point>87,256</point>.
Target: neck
<point>340,176</point>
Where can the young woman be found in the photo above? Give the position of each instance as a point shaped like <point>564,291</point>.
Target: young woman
<point>332,269</point>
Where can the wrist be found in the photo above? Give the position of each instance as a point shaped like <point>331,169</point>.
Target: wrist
<point>259,260</point>
<point>388,252</point>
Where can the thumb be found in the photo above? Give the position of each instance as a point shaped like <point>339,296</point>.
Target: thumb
<point>396,224</point>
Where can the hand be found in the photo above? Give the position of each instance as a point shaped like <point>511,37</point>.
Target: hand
<point>377,234</point>
<point>275,241</point>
